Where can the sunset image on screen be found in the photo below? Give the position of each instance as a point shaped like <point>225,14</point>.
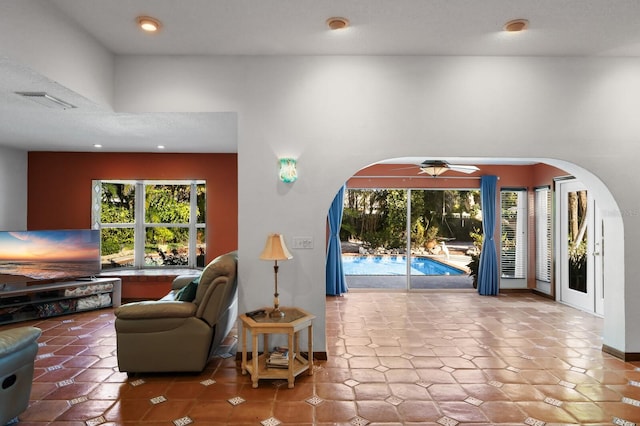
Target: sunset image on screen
<point>49,254</point>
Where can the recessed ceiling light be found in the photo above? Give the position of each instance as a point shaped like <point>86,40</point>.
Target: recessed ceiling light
<point>516,25</point>
<point>160,146</point>
<point>337,23</point>
<point>97,145</point>
<point>148,24</point>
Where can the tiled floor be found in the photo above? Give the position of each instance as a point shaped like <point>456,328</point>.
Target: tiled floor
<point>429,358</point>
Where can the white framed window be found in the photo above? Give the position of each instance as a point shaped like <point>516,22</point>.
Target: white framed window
<point>543,231</point>
<point>150,223</point>
<point>513,215</point>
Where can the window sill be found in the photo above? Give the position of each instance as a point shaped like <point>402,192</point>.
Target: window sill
<point>143,274</point>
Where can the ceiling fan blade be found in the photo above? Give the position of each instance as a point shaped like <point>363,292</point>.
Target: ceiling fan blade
<point>406,168</point>
<point>463,168</point>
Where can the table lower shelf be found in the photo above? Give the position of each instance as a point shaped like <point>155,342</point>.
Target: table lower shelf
<point>300,365</point>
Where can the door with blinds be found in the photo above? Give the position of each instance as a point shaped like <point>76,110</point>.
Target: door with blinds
<point>544,238</point>
<point>513,238</point>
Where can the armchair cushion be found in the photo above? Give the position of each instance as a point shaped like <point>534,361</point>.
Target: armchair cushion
<point>188,292</point>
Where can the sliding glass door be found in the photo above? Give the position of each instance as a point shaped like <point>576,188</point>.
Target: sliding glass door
<point>409,238</point>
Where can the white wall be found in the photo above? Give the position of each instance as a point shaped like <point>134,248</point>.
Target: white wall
<point>338,114</point>
<point>13,190</point>
<point>34,33</point>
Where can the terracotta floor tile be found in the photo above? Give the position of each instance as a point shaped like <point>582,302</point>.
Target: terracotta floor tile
<point>293,412</point>
<point>462,412</point>
<point>74,390</point>
<point>522,392</point>
<point>485,392</point>
<point>372,391</point>
<point>469,376</point>
<point>621,410</point>
<point>364,362</point>
<point>447,392</point>
<point>546,412</point>
<point>411,358</point>
<point>586,412</point>
<point>335,391</point>
<point>409,391</point>
<point>379,411</point>
<point>44,410</point>
<point>336,411</point>
<point>169,410</point>
<point>561,393</point>
<point>503,412</point>
<point>127,410</point>
<point>86,410</point>
<point>419,412</point>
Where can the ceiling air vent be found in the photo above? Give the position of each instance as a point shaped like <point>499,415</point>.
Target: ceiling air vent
<point>46,99</point>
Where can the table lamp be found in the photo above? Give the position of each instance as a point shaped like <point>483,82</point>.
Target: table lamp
<point>275,249</point>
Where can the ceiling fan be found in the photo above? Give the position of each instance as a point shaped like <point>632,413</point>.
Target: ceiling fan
<point>437,167</point>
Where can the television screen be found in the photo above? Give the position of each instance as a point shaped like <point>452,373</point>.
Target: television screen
<point>49,255</point>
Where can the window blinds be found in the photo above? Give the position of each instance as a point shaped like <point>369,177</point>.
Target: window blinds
<point>513,205</point>
<point>543,234</point>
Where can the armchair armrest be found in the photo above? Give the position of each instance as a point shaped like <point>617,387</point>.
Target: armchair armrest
<point>16,339</point>
<point>156,309</point>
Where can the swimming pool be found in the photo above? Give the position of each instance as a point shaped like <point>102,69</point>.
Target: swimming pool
<point>395,265</point>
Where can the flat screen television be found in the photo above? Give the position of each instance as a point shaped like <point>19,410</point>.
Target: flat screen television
<point>49,255</point>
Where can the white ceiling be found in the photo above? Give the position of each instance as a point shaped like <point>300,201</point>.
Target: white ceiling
<point>378,27</point>
<point>290,27</point>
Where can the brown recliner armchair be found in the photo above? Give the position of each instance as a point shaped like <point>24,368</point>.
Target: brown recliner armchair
<point>180,336</point>
<point>18,349</point>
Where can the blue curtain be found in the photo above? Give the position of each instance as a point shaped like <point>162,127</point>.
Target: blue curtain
<point>488,278</point>
<point>336,282</point>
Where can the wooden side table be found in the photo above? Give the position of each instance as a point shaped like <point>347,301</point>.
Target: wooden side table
<point>294,321</point>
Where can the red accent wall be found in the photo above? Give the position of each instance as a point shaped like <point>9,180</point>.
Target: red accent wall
<point>59,196</point>
<point>59,187</point>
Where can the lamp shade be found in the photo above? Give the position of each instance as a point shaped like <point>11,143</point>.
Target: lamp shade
<point>275,249</point>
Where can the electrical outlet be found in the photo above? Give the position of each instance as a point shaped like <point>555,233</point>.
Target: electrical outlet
<point>302,242</point>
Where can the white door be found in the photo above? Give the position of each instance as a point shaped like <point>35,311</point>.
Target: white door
<point>580,243</point>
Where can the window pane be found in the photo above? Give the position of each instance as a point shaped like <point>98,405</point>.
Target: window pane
<point>117,247</point>
<point>512,230</point>
<point>166,246</point>
<point>543,234</point>
<point>202,202</point>
<point>167,203</point>
<point>118,202</point>
<point>202,248</point>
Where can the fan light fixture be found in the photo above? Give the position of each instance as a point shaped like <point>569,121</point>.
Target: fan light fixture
<point>148,24</point>
<point>516,25</point>
<point>275,249</point>
<point>337,23</point>
<point>434,168</point>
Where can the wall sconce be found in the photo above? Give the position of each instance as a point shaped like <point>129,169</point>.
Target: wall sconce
<point>288,172</point>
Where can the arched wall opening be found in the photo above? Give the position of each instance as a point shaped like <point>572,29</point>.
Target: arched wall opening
<point>529,173</point>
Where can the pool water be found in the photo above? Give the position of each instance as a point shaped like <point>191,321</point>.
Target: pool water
<point>395,265</point>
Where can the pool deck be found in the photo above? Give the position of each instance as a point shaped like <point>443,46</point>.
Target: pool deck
<point>418,282</point>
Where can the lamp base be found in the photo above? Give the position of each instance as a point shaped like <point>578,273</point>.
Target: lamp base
<point>276,313</point>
